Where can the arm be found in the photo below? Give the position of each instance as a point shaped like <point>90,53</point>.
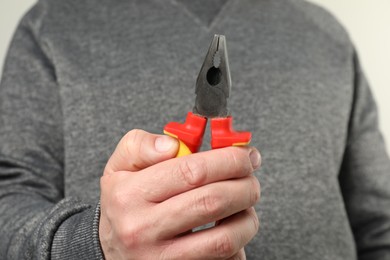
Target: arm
<point>36,222</point>
<point>365,176</point>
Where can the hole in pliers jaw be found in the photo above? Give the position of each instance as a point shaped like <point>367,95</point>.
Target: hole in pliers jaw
<point>214,76</point>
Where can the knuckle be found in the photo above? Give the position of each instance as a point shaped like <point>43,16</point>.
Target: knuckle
<point>132,145</point>
<point>210,205</point>
<point>108,182</point>
<point>192,172</point>
<point>120,199</point>
<point>225,246</point>
<point>129,236</point>
<point>239,160</point>
<point>134,133</point>
<point>133,139</point>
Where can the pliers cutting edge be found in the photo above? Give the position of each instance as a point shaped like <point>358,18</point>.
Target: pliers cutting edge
<point>212,92</point>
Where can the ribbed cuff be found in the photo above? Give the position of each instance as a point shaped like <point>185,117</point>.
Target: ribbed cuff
<point>78,237</point>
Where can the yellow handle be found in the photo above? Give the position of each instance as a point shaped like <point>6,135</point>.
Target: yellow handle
<point>183,148</point>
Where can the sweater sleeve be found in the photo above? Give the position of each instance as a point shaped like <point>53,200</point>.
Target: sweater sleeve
<point>365,176</point>
<point>36,221</point>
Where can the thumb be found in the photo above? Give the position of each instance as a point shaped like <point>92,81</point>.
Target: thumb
<point>138,150</point>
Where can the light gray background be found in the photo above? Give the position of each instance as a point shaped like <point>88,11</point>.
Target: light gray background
<point>367,21</point>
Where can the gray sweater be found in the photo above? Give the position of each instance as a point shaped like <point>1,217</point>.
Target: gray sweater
<point>80,74</point>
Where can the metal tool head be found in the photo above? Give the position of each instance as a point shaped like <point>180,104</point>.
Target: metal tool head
<point>214,82</point>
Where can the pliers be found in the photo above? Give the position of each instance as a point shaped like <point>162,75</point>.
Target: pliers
<point>212,92</point>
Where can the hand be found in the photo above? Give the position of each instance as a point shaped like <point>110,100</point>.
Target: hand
<point>150,200</point>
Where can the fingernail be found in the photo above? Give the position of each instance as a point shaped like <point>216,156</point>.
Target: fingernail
<point>254,156</point>
<point>164,143</point>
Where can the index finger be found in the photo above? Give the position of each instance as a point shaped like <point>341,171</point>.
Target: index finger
<point>169,178</point>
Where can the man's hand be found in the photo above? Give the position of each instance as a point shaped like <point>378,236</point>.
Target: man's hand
<point>150,201</point>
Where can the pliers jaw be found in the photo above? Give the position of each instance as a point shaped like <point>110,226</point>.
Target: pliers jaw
<point>212,92</point>
<point>214,82</point>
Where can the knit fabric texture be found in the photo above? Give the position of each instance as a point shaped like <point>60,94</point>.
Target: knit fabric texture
<point>80,74</point>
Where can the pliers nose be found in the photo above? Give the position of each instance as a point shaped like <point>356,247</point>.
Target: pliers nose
<point>214,82</point>
<point>212,92</point>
